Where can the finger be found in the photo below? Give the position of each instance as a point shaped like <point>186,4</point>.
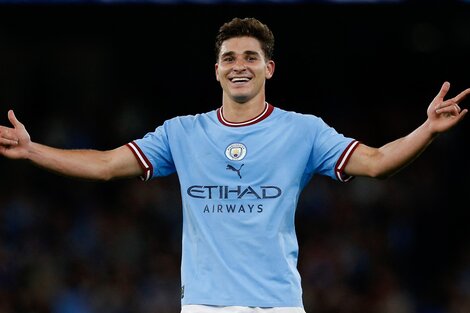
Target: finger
<point>8,142</point>
<point>461,115</point>
<point>446,104</point>
<point>444,89</point>
<point>13,120</point>
<point>449,110</point>
<point>8,133</point>
<point>462,95</point>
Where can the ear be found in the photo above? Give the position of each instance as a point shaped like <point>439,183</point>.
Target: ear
<point>270,65</point>
<point>217,71</point>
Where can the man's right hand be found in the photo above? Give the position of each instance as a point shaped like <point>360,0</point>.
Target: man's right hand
<point>14,142</point>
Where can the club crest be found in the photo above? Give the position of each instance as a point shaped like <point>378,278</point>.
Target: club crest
<point>235,152</point>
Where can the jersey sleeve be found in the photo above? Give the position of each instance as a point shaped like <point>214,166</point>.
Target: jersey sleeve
<point>343,160</point>
<point>331,151</point>
<point>153,153</point>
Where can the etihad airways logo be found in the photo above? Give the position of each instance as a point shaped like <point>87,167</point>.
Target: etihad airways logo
<point>234,192</point>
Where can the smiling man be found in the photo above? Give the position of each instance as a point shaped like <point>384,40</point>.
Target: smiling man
<point>242,70</point>
<point>241,169</point>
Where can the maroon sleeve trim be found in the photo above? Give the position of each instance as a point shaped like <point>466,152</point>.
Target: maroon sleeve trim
<point>146,165</point>
<point>343,160</point>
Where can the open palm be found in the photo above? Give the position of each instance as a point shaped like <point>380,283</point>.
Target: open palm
<point>14,142</point>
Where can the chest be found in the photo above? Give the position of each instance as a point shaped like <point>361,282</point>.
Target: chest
<point>244,155</point>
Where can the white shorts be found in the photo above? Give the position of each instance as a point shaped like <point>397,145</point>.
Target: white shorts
<point>195,308</point>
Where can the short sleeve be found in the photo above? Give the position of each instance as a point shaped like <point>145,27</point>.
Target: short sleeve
<point>153,153</point>
<point>330,151</point>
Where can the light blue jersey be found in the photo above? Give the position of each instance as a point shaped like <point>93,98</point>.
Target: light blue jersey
<point>240,183</point>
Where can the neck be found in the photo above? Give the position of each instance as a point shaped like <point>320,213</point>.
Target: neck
<point>239,112</point>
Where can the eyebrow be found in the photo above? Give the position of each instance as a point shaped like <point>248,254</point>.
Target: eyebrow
<point>247,52</point>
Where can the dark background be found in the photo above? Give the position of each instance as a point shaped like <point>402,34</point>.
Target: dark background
<point>99,76</point>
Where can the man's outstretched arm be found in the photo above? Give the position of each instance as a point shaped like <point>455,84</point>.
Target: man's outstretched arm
<point>387,160</point>
<point>15,143</point>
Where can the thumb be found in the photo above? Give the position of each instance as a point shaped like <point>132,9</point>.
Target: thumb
<point>13,120</point>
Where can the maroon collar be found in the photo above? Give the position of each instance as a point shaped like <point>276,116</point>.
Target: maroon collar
<point>268,109</point>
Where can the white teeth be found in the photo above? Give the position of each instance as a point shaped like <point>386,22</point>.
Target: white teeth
<point>240,79</point>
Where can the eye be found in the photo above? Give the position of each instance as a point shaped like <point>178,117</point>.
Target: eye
<point>227,59</point>
<point>252,58</point>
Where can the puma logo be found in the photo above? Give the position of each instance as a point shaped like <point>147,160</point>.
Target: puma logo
<point>232,168</point>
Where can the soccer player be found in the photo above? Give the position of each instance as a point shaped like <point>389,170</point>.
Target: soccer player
<point>241,169</point>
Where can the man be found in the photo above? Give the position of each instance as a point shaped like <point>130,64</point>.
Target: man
<point>241,170</point>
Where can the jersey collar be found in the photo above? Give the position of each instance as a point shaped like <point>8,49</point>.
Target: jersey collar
<point>268,109</point>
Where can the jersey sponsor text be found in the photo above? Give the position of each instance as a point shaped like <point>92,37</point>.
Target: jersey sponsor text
<point>234,192</point>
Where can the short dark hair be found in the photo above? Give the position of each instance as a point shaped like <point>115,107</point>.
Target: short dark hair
<point>249,27</point>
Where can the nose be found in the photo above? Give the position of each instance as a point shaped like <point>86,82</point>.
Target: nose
<point>239,65</point>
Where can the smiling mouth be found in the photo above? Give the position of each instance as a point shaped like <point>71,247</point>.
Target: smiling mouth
<point>240,80</point>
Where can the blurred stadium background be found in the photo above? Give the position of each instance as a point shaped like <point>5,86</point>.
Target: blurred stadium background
<point>98,74</point>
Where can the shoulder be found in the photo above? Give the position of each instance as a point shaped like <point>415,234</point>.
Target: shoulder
<point>188,120</point>
<point>298,118</point>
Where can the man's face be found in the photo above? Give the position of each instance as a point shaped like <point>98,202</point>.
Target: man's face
<point>242,69</point>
